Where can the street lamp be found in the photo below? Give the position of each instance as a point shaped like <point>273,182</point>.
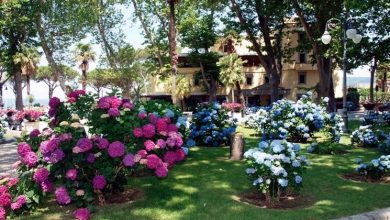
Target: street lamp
<point>348,33</point>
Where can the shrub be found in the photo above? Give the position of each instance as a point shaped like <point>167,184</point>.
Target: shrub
<point>256,120</point>
<point>327,147</point>
<point>384,146</point>
<point>371,118</point>
<point>354,97</point>
<point>275,166</point>
<point>232,106</point>
<point>211,125</point>
<point>295,121</point>
<point>386,117</point>
<point>364,137</point>
<point>375,169</point>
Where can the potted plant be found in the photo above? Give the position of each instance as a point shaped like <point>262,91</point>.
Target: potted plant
<point>369,105</point>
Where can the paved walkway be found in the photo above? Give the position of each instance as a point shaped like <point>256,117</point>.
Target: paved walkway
<point>380,214</point>
<point>8,156</point>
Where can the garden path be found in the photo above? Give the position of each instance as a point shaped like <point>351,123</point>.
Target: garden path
<point>8,156</point>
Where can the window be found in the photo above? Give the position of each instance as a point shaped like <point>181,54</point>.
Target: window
<point>196,82</point>
<point>249,79</point>
<point>266,79</point>
<point>225,48</point>
<point>302,57</point>
<point>301,37</point>
<point>302,78</point>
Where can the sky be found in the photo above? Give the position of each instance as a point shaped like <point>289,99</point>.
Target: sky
<point>134,36</point>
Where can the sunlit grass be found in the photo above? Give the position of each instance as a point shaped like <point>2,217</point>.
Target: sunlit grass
<point>203,187</point>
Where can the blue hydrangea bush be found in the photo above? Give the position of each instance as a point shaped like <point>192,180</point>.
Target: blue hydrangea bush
<point>384,145</point>
<point>375,169</point>
<point>275,167</point>
<point>256,120</point>
<point>211,125</point>
<point>371,118</point>
<point>386,117</point>
<point>364,136</point>
<point>295,121</point>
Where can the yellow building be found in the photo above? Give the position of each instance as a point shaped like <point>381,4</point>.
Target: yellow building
<point>297,74</point>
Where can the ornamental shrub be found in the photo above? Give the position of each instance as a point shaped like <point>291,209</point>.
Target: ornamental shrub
<point>275,166</point>
<point>295,121</point>
<point>386,117</point>
<point>371,118</point>
<point>256,120</point>
<point>211,125</point>
<point>375,169</point>
<point>384,145</point>
<point>364,136</point>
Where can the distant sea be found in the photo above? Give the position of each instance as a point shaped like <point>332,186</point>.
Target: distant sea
<point>10,103</point>
<point>358,82</point>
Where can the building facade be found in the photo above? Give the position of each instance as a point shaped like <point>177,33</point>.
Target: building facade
<point>298,76</point>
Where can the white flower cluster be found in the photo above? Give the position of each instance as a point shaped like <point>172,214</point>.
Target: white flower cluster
<point>275,165</point>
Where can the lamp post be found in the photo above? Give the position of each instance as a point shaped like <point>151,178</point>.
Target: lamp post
<point>348,33</point>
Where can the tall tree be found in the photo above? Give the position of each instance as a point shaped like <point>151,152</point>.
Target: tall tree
<point>28,59</point>
<point>46,75</point>
<point>173,44</point>
<point>99,79</point>
<point>313,16</point>
<point>15,30</point>
<point>84,55</point>
<point>232,73</point>
<point>264,21</point>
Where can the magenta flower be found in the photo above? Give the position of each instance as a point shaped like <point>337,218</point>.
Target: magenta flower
<point>116,149</point>
<point>128,160</point>
<point>34,133</point>
<point>54,102</point>
<point>57,156</point>
<point>20,201</point>
<point>142,115</point>
<point>102,143</point>
<point>5,199</point>
<point>149,145</point>
<point>62,196</point>
<point>161,143</point>
<point>180,155</point>
<point>30,159</point>
<point>49,145</point>
<point>3,214</point>
<point>153,118</point>
<point>148,131</point>
<point>99,182</point>
<point>138,132</point>
<point>91,158</point>
<point>161,171</point>
<point>142,153</point>
<point>84,144</point>
<point>170,157</point>
<point>71,174</point>
<point>65,137</point>
<point>103,104</point>
<point>172,128</point>
<point>114,112</point>
<point>81,214</point>
<point>12,182</point>
<point>41,175</point>
<point>46,186</point>
<point>128,105</point>
<point>23,148</point>
<point>162,126</point>
<point>153,161</point>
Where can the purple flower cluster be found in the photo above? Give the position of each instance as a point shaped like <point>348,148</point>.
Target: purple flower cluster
<point>116,149</point>
<point>82,214</point>
<point>99,182</point>
<point>23,149</point>
<point>102,143</point>
<point>41,175</point>
<point>20,201</point>
<point>83,145</point>
<point>71,174</point>
<point>62,196</point>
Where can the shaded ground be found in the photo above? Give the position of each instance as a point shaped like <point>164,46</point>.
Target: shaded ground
<point>8,156</point>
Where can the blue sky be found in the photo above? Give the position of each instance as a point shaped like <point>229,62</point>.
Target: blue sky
<point>133,34</point>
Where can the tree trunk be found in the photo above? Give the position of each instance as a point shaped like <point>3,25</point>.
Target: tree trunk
<point>18,89</point>
<point>28,85</point>
<point>384,81</point>
<point>51,91</point>
<point>240,95</point>
<point>213,90</point>
<point>1,95</point>
<point>237,144</point>
<point>84,83</point>
<point>372,77</point>
<point>172,47</point>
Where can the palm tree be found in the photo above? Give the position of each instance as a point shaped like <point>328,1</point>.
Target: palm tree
<point>84,55</point>
<point>28,59</point>
<point>231,72</point>
<point>183,89</point>
<point>173,44</point>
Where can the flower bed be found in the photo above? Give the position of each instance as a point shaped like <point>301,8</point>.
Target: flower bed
<point>295,121</point>
<point>371,118</point>
<point>274,167</point>
<point>375,169</point>
<point>83,170</point>
<point>211,125</point>
<point>364,136</point>
<point>386,117</point>
<point>232,106</point>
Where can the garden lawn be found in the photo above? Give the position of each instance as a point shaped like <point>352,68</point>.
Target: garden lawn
<point>203,187</point>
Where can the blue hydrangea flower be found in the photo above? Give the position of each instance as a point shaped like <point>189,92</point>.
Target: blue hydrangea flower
<point>298,179</point>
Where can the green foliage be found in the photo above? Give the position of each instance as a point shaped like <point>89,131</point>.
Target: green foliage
<point>232,69</point>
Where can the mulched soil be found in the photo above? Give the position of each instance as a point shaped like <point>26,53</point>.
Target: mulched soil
<point>129,195</point>
<point>360,178</point>
<point>286,201</point>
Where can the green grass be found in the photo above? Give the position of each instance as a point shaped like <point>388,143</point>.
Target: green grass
<point>203,186</point>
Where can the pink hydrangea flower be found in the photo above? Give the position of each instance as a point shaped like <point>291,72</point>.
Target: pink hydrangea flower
<point>3,214</point>
<point>65,137</point>
<point>57,156</point>
<point>62,196</point>
<point>172,128</point>
<point>71,174</point>
<point>23,148</point>
<point>161,143</point>
<point>116,149</point>
<point>114,112</point>
<point>138,132</point>
<point>49,145</point>
<point>128,105</point>
<point>5,199</point>
<point>34,133</point>
<point>46,186</point>
<point>41,175</point>
<point>161,171</point>
<point>162,126</point>
<point>84,145</point>
<point>142,153</point>
<point>153,118</point>
<point>142,115</point>
<point>149,145</point>
<point>30,159</point>
<point>180,155</point>
<point>148,130</point>
<point>81,214</point>
<point>170,157</point>
<point>99,182</point>
<point>153,161</point>
<point>12,182</point>
<point>102,143</point>
<point>20,201</point>
<point>54,102</point>
<point>91,158</point>
<point>128,160</point>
